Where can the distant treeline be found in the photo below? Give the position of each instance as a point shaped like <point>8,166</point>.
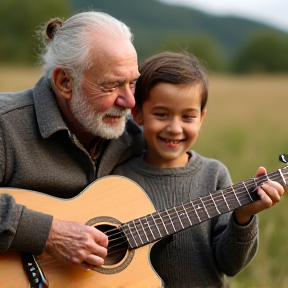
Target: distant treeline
<point>223,44</point>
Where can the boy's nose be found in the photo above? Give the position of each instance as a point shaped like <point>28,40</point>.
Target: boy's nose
<point>174,127</point>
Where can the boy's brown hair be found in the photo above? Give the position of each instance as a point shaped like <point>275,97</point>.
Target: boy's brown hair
<point>170,67</point>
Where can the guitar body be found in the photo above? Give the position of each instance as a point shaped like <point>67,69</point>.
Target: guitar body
<point>105,203</point>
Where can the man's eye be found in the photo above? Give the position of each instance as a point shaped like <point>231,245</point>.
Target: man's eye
<point>108,88</point>
<point>133,84</point>
<point>132,87</point>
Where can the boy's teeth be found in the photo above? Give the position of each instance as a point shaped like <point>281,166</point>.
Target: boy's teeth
<point>172,141</point>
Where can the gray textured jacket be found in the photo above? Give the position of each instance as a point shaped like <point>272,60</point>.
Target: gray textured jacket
<point>201,255</point>
<point>37,152</point>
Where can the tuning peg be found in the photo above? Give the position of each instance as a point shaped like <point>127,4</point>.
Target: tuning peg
<point>283,158</point>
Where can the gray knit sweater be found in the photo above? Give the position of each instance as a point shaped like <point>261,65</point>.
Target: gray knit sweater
<point>202,255</point>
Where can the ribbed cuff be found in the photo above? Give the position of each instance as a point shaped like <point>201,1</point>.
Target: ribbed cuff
<point>244,233</point>
<point>32,232</point>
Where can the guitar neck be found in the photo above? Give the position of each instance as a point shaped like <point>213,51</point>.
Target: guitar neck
<point>163,223</point>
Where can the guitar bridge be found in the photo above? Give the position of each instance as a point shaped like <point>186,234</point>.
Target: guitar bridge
<point>33,271</point>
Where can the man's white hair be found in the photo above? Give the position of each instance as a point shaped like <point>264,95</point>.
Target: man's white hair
<point>69,48</point>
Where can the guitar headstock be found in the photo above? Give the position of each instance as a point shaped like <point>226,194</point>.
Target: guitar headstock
<point>283,158</point>
<point>284,171</point>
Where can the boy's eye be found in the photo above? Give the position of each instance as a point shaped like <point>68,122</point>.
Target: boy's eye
<point>189,117</point>
<point>160,115</point>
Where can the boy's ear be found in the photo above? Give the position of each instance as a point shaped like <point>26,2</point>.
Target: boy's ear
<point>62,82</point>
<point>137,115</point>
<point>203,113</point>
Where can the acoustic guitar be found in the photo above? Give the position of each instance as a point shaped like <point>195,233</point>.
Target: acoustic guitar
<point>109,204</point>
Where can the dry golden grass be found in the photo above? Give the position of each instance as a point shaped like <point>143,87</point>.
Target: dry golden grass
<point>245,127</point>
<point>18,78</point>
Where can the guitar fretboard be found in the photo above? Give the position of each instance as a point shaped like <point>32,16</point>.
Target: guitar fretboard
<point>163,223</point>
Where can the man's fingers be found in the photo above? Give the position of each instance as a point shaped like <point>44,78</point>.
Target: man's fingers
<point>94,260</point>
<point>76,244</point>
<point>99,237</point>
<point>99,251</point>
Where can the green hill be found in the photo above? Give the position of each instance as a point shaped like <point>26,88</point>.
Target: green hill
<point>155,24</point>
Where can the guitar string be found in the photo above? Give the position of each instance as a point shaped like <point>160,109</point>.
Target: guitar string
<point>193,203</point>
<point>231,190</point>
<point>124,238</point>
<point>203,200</point>
<point>216,197</point>
<point>175,214</point>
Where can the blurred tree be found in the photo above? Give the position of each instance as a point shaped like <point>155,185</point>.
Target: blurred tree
<point>18,22</point>
<point>205,48</point>
<point>262,53</point>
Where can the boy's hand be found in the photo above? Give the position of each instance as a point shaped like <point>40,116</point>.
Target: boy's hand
<point>269,193</point>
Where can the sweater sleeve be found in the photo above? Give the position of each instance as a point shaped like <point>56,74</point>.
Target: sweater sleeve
<point>22,229</point>
<point>235,246</point>
<point>10,214</point>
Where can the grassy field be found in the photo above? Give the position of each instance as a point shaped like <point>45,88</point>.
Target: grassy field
<point>245,128</point>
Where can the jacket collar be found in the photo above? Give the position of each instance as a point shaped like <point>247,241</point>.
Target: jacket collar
<point>47,112</point>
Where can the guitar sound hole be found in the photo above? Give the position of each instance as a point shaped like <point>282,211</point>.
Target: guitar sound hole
<point>117,247</point>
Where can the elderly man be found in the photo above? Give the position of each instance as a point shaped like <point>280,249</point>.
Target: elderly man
<point>70,129</point>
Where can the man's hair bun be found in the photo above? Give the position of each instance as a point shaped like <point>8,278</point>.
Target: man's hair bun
<point>51,28</point>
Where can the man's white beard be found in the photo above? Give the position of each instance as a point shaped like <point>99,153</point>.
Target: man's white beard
<point>92,120</point>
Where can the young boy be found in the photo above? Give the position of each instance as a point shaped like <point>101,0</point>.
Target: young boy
<point>171,96</point>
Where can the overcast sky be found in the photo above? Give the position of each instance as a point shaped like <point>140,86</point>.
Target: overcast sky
<point>271,12</point>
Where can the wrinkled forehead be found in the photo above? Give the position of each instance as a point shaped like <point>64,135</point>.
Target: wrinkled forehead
<point>113,58</point>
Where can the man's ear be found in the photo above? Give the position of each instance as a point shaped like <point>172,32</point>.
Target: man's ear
<point>137,115</point>
<point>62,82</point>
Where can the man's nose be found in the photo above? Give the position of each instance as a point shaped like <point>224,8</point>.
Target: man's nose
<point>126,98</point>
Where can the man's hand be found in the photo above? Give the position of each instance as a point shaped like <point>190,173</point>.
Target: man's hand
<point>270,193</point>
<point>77,244</point>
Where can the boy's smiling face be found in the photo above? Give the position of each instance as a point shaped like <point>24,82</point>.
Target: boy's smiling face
<point>171,116</point>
